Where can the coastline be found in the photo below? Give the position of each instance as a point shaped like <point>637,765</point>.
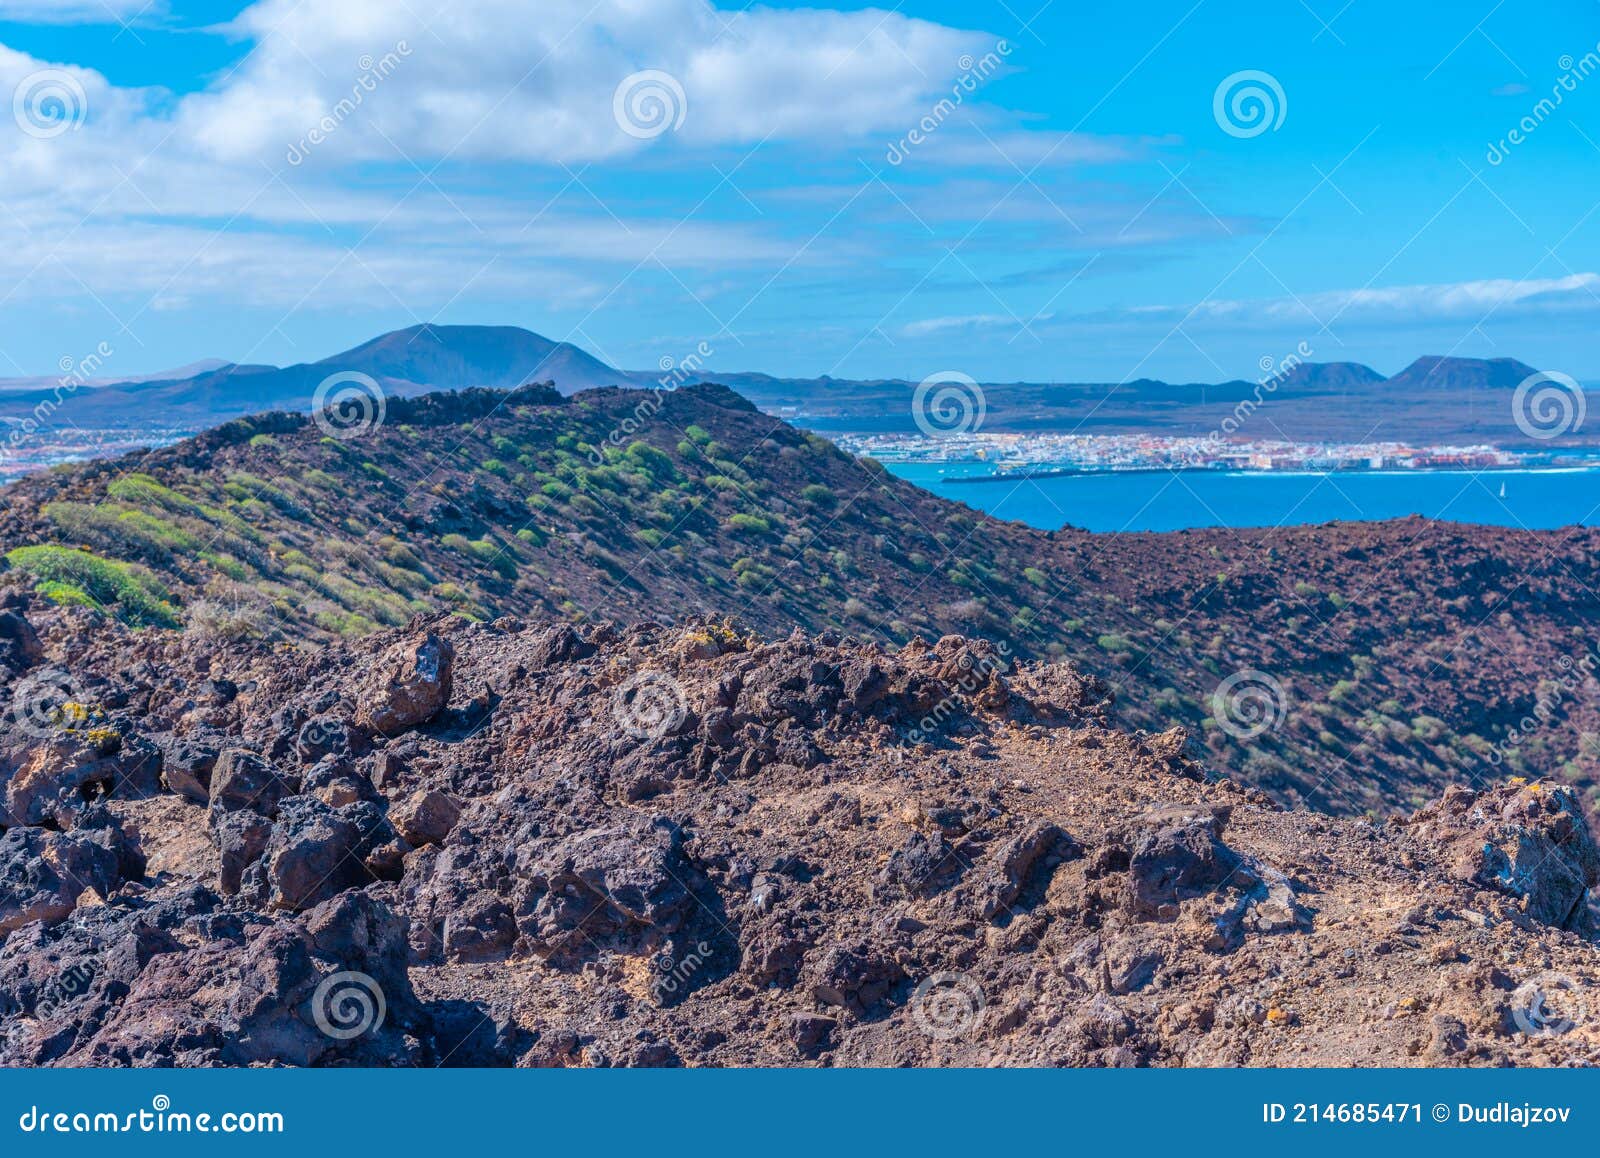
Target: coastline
<point>1107,472</point>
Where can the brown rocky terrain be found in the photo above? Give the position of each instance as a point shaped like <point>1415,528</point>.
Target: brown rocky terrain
<point>533,843</point>
<point>1384,661</point>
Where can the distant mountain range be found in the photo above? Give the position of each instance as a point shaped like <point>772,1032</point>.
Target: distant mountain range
<point>42,383</point>
<point>406,362</point>
<point>1435,399</point>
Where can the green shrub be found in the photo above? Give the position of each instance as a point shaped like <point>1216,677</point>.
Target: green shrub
<point>140,490</point>
<point>68,575</point>
<point>743,524</point>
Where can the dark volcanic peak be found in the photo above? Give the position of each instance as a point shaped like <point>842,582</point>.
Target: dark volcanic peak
<point>406,362</point>
<point>1398,658</point>
<point>543,845</point>
<point>1438,373</point>
<point>1331,375</point>
<point>455,357</point>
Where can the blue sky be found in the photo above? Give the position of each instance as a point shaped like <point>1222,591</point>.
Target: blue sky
<point>1084,212</point>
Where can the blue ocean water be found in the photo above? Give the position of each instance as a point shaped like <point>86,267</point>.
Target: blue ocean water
<point>1173,500</point>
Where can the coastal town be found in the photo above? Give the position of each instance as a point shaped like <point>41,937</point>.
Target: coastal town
<point>1009,453</point>
<point>23,452</point>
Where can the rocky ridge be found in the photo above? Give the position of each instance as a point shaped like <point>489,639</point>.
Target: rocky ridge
<point>1389,660</point>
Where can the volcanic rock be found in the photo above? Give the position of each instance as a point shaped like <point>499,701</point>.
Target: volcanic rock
<point>416,687</point>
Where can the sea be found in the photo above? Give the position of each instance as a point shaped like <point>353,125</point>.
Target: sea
<point>1174,500</point>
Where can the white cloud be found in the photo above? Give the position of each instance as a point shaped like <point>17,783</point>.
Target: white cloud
<point>929,326</point>
<point>149,192</point>
<point>1017,151</point>
<point>1463,301</point>
<point>491,81</point>
<point>1469,303</point>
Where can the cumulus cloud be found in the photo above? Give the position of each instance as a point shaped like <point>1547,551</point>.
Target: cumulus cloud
<point>489,81</point>
<point>349,126</point>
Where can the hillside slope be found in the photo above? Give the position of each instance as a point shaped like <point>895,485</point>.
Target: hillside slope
<point>1357,668</point>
